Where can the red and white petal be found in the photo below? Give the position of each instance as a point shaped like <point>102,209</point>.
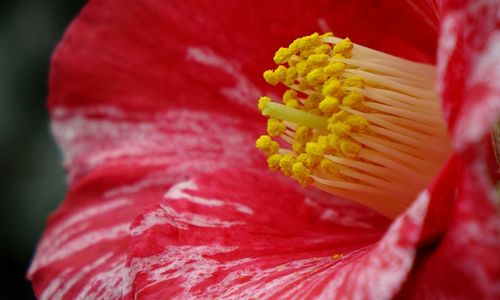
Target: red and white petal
<point>242,234</point>
<point>469,248</point>
<point>183,140</point>
<point>87,238</point>
<point>468,66</point>
<point>145,94</point>
<point>132,163</point>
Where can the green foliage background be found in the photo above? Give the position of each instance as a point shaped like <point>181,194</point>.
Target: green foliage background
<point>32,178</point>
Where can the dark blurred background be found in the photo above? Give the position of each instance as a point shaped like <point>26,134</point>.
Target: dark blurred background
<point>31,177</point>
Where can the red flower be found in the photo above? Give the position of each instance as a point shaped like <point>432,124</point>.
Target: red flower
<point>153,105</point>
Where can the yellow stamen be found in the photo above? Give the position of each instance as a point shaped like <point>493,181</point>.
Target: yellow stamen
<point>275,127</point>
<point>360,123</point>
<point>267,145</point>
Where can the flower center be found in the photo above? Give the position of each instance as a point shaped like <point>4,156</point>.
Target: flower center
<point>356,122</point>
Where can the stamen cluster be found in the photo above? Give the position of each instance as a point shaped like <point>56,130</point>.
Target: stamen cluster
<point>358,123</point>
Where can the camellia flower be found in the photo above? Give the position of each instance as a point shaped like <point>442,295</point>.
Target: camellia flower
<point>154,106</point>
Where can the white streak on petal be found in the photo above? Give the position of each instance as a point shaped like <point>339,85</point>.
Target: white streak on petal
<point>56,235</point>
<point>244,91</point>
<point>153,218</point>
<point>180,191</point>
<point>323,25</point>
<point>57,239</point>
<point>54,284</point>
<point>176,135</point>
<point>80,243</point>
<point>333,216</point>
<point>177,262</point>
<point>148,182</point>
<point>351,219</point>
<point>62,290</point>
<point>428,11</point>
<point>447,44</point>
<point>485,71</point>
<point>182,218</point>
<point>105,285</point>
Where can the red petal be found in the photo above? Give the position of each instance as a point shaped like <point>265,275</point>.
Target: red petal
<point>152,55</point>
<point>236,234</point>
<point>469,63</point>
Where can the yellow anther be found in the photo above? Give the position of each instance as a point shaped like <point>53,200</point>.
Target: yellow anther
<point>273,162</point>
<point>354,81</point>
<point>318,60</point>
<point>340,129</point>
<point>303,68</point>
<point>298,147</point>
<point>282,55</point>
<point>271,78</point>
<point>263,102</point>
<point>326,35</point>
<point>309,161</point>
<point>353,99</point>
<point>338,117</point>
<point>304,85</point>
<point>309,42</point>
<point>304,54</point>
<point>303,134</point>
<point>305,159</point>
<point>267,145</point>
<point>344,48</point>
<point>349,148</point>
<point>323,141</point>
<point>357,123</point>
<point>316,77</point>
<point>291,76</point>
<point>305,43</point>
<point>324,144</point>
<point>329,105</point>
<point>289,95</point>
<point>323,49</point>
<point>290,99</point>
<point>286,164</point>
<point>333,141</point>
<point>329,167</point>
<point>301,173</point>
<point>333,88</point>
<point>313,148</point>
<point>294,60</point>
<point>312,101</point>
<point>334,69</point>
<point>275,127</point>
<point>280,73</point>
<point>294,46</point>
